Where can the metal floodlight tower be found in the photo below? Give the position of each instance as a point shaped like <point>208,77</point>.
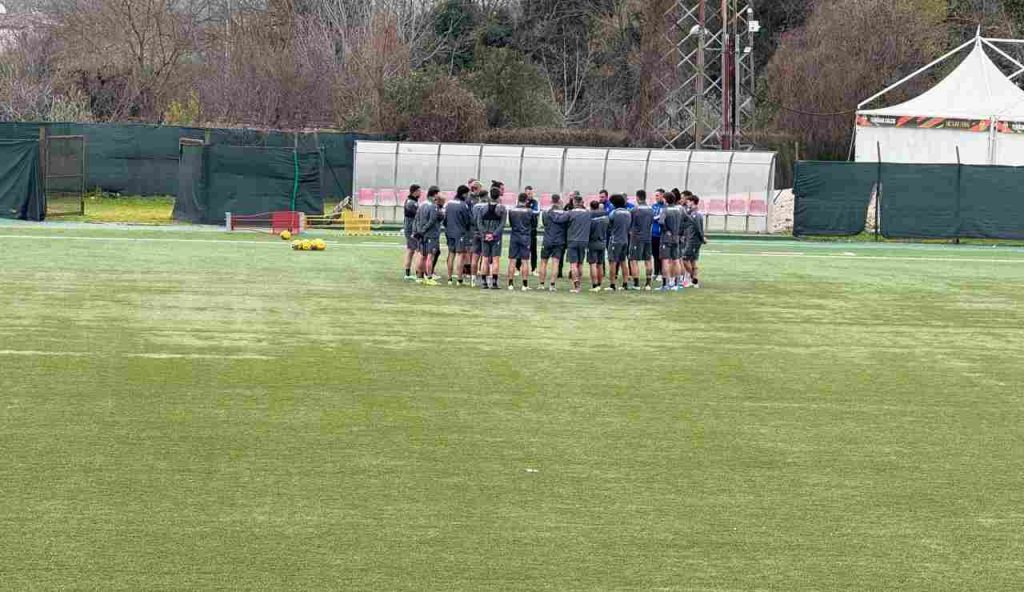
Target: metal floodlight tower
<point>706,80</point>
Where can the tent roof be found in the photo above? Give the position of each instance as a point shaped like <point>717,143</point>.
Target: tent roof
<point>976,89</point>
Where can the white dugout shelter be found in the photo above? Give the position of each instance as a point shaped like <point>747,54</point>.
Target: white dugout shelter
<point>734,187</point>
<point>975,115</point>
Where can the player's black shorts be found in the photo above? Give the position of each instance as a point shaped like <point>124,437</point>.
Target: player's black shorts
<point>519,248</point>
<point>478,244</point>
<point>430,245</point>
<point>552,252</point>
<point>669,250</point>
<point>640,251</point>
<point>490,249</point>
<point>459,244</point>
<point>577,252</point>
<point>691,251</point>
<point>595,256</point>
<point>617,252</point>
<point>411,243</point>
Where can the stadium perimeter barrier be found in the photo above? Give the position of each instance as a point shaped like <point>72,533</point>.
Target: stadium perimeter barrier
<point>142,159</point>
<point>734,187</point>
<point>943,201</point>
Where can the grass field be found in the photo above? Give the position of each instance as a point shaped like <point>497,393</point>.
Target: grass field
<point>192,410</point>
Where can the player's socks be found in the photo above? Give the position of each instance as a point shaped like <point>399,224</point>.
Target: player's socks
<point>511,283</point>
<point>526,283</point>
<point>636,282</point>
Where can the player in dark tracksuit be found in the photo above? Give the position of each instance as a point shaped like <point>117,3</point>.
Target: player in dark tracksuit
<point>579,240</point>
<point>476,244</point>
<point>598,245</point>
<point>520,224</point>
<point>457,221</point>
<point>671,220</point>
<point>620,221</point>
<point>555,221</point>
<point>693,239</point>
<point>411,244</point>
<point>640,246</point>
<point>491,222</point>
<point>426,228</point>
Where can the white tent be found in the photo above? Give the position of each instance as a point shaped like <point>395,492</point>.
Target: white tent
<point>976,110</point>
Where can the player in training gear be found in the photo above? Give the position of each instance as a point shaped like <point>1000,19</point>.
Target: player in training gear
<point>598,245</point>
<point>426,228</point>
<point>579,239</point>
<point>619,223</point>
<point>671,221</point>
<point>693,239</point>
<point>492,225</point>
<point>412,247</point>
<point>520,224</point>
<point>457,231</point>
<point>555,221</point>
<point>640,245</point>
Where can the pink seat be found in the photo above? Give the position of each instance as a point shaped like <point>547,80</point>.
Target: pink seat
<point>738,205</point>
<point>387,197</point>
<point>715,207</point>
<point>448,195</point>
<point>545,201</point>
<point>758,207</point>
<point>367,197</point>
<point>403,195</point>
<point>509,199</point>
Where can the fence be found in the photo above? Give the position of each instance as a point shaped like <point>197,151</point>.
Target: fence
<point>734,186</point>
<point>141,159</point>
<point>913,200</point>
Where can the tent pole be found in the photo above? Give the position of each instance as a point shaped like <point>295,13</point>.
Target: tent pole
<point>917,73</point>
<point>1004,54</point>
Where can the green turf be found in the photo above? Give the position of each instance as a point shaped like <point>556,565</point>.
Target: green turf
<point>189,410</point>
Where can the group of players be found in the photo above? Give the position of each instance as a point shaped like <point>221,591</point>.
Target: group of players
<point>664,238</point>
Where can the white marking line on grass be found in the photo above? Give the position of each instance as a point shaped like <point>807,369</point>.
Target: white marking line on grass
<point>154,356</point>
<point>800,254</point>
<point>876,257</point>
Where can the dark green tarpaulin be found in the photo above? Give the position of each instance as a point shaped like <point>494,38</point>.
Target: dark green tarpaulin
<point>916,200</point>
<point>142,159</point>
<point>244,180</point>
<point>189,203</point>
<point>832,200</point>
<point>919,200</point>
<point>20,193</point>
<point>992,202</point>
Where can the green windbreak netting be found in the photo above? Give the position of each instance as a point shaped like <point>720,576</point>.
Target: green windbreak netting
<point>141,159</point>
<point>20,193</point>
<point>189,202</point>
<point>992,202</point>
<point>253,180</point>
<point>832,200</point>
<point>915,201</point>
<point>919,200</point>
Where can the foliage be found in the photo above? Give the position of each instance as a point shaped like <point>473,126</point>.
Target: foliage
<point>187,113</point>
<point>513,90</point>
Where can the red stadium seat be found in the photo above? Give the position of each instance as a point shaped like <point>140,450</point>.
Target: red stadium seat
<point>715,206</point>
<point>545,201</point>
<point>509,199</point>
<point>387,197</point>
<point>367,198</point>
<point>448,195</point>
<point>758,207</point>
<point>738,205</point>
<point>403,195</point>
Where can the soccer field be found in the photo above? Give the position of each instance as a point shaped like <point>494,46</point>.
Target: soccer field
<point>197,410</point>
